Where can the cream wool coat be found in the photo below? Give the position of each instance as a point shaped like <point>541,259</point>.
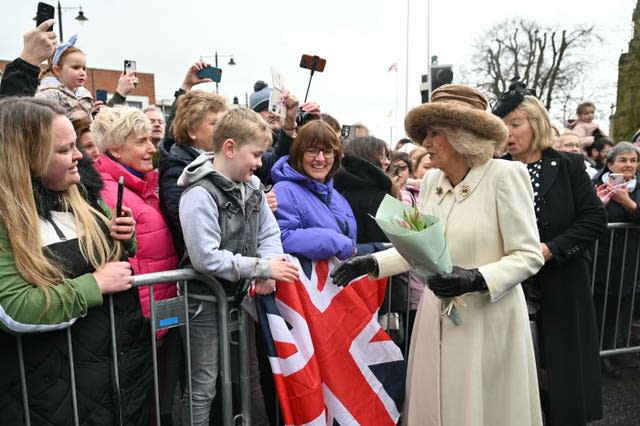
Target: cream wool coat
<point>482,372</point>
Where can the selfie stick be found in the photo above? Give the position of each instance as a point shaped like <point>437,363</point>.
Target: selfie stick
<point>314,66</point>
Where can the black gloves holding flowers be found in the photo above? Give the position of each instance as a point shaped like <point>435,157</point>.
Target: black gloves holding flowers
<point>355,267</point>
<point>457,282</point>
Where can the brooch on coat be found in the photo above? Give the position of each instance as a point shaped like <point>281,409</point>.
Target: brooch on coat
<point>439,190</point>
<point>464,190</point>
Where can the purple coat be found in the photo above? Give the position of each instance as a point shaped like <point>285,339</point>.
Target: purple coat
<point>316,222</point>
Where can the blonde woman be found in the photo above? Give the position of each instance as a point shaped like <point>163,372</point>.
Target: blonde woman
<point>59,253</point>
<point>191,135</point>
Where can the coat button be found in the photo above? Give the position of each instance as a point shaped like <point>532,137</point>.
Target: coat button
<point>553,163</point>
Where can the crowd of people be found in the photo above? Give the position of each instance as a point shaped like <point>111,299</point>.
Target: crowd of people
<point>229,191</point>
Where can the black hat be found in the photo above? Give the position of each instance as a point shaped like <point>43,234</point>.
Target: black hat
<point>511,99</point>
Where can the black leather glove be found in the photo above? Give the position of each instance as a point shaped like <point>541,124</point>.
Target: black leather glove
<point>457,282</point>
<point>357,266</point>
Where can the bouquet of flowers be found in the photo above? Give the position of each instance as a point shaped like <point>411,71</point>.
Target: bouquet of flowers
<point>419,238</point>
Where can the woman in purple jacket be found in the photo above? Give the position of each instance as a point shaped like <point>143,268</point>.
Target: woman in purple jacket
<point>316,222</point>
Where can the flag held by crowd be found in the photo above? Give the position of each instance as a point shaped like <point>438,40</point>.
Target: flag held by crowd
<point>331,361</point>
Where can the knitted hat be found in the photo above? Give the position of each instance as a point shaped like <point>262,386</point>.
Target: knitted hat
<point>259,99</point>
<point>455,105</point>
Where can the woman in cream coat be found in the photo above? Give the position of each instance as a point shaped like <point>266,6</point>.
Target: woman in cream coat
<point>483,371</point>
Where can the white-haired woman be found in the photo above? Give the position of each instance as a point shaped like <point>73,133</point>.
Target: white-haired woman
<point>482,371</point>
<point>570,218</point>
<point>123,135</point>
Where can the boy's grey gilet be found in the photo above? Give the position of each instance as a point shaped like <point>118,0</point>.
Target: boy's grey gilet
<point>238,223</point>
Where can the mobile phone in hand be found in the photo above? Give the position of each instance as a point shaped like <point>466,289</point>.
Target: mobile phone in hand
<point>129,65</point>
<point>101,95</point>
<point>44,12</point>
<point>616,179</point>
<point>213,73</point>
<point>119,200</point>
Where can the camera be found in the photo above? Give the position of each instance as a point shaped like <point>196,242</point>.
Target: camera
<point>303,117</point>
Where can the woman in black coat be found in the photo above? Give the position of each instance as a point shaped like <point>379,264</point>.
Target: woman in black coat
<point>622,202</point>
<point>570,219</point>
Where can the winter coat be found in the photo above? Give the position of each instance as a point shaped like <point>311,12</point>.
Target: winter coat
<point>483,371</point>
<point>173,158</point>
<point>76,104</point>
<point>155,246</point>
<point>315,221</point>
<point>364,186</point>
<point>79,305</point>
<point>571,219</point>
<point>20,78</point>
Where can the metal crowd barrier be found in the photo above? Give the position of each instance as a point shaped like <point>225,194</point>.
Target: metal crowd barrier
<point>166,314</point>
<point>625,300</point>
<point>619,289</point>
<point>171,313</point>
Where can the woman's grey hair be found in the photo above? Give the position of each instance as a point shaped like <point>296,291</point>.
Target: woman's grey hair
<point>475,149</point>
<point>622,148</point>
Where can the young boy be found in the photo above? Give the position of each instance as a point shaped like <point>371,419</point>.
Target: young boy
<point>231,234</point>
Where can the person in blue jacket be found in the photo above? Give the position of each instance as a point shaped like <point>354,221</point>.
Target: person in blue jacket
<point>316,222</point>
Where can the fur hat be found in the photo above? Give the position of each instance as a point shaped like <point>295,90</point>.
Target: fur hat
<point>455,105</point>
<point>259,99</point>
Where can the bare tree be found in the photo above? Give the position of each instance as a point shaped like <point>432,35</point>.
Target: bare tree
<point>551,61</point>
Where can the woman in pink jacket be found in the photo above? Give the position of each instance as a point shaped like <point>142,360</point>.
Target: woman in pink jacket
<point>124,136</point>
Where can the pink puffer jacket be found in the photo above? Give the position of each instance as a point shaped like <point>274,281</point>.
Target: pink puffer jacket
<point>155,245</point>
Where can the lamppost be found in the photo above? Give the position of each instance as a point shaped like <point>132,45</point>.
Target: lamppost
<point>215,58</point>
<point>80,18</point>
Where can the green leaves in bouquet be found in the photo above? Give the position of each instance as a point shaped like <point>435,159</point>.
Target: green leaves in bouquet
<point>412,219</point>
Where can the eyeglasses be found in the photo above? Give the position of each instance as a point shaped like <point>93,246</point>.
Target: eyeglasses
<point>572,145</point>
<point>314,152</point>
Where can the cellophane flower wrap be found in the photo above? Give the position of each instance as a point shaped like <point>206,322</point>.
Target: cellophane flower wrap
<point>419,238</point>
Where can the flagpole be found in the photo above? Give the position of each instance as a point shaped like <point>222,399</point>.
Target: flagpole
<point>395,109</point>
<point>406,64</point>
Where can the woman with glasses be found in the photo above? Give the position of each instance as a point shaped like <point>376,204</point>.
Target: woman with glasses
<point>315,221</point>
<point>570,219</point>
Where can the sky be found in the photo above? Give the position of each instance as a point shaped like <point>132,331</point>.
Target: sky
<point>359,39</point>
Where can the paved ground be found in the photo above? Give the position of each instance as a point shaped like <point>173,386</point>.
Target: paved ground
<point>621,396</point>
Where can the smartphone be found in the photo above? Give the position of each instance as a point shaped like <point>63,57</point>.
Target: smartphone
<point>313,63</point>
<point>348,132</point>
<point>616,179</point>
<point>129,65</point>
<point>213,73</point>
<point>45,11</point>
<point>119,200</point>
<point>101,95</point>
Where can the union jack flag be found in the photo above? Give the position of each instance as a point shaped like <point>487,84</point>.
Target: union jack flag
<point>332,363</point>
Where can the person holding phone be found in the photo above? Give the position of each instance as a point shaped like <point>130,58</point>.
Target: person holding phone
<point>622,202</point>
<point>61,252</point>
<point>123,135</point>
<point>570,219</point>
<point>20,77</point>
<point>194,113</point>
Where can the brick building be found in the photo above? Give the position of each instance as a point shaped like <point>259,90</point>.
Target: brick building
<point>142,96</point>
